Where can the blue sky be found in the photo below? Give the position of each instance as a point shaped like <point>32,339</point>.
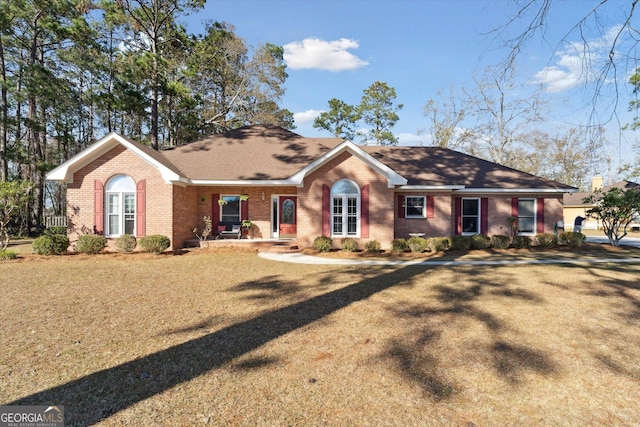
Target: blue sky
<point>336,49</point>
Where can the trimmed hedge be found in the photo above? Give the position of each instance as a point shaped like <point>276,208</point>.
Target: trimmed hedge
<point>349,245</point>
<point>54,244</point>
<point>500,241</point>
<point>373,246</point>
<point>438,244</point>
<point>480,241</point>
<point>417,244</point>
<point>323,244</point>
<point>126,243</point>
<point>154,244</point>
<point>460,243</point>
<point>91,244</point>
<point>571,239</point>
<point>399,246</point>
<point>546,240</point>
<point>522,242</point>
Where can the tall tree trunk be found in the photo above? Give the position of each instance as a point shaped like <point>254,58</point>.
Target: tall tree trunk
<point>4,113</point>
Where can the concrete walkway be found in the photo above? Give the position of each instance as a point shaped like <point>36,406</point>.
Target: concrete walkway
<point>299,258</point>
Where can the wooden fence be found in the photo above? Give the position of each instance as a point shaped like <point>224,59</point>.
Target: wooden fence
<point>55,221</point>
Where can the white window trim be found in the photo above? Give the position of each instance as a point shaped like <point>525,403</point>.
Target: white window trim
<point>120,213</point>
<point>468,233</point>
<point>535,217</point>
<point>345,197</point>
<point>424,207</point>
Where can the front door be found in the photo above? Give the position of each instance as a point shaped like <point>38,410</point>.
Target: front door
<point>287,219</point>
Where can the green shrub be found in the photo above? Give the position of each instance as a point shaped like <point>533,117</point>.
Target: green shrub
<point>480,241</point>
<point>522,242</point>
<point>349,245</point>
<point>91,244</point>
<point>546,240</point>
<point>417,244</point>
<point>460,243</point>
<point>438,244</point>
<point>7,255</point>
<point>399,246</point>
<point>55,230</point>
<point>499,241</point>
<point>373,246</point>
<point>323,244</point>
<point>55,244</point>
<point>126,243</point>
<point>571,239</point>
<point>154,244</point>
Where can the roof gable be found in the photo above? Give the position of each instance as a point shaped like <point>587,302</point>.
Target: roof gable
<point>65,171</point>
<point>393,178</point>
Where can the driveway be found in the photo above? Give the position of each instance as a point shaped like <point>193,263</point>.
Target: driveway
<point>629,241</point>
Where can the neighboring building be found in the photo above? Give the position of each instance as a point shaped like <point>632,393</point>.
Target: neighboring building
<point>299,188</point>
<point>574,205</point>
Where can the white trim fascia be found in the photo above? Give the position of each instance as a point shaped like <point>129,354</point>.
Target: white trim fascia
<point>393,178</point>
<point>65,171</point>
<point>512,190</point>
<point>252,183</point>
<point>409,188</point>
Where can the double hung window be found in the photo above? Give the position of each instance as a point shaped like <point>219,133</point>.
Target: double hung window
<point>414,207</point>
<point>526,216</point>
<point>120,196</point>
<point>345,209</point>
<point>470,216</point>
<point>230,209</point>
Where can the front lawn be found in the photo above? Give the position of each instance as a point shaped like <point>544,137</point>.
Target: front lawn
<point>217,338</point>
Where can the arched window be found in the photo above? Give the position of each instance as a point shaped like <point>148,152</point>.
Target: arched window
<point>345,209</point>
<point>120,201</point>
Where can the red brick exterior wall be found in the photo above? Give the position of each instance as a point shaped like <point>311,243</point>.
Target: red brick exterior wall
<point>80,194</point>
<point>174,210</point>
<point>345,166</point>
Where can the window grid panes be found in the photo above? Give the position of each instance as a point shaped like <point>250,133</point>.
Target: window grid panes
<point>337,215</point>
<point>414,207</point>
<point>120,206</point>
<point>526,216</point>
<point>230,211</point>
<point>345,205</point>
<point>470,216</point>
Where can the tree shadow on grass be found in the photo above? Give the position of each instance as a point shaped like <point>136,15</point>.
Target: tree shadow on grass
<point>96,396</point>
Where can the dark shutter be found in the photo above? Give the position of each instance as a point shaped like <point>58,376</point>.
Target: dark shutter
<point>540,216</point>
<point>244,210</point>
<point>400,206</point>
<point>98,207</point>
<point>326,210</point>
<point>484,215</point>
<point>458,215</point>
<point>430,207</point>
<point>215,211</point>
<point>141,208</point>
<point>514,207</point>
<point>364,211</point>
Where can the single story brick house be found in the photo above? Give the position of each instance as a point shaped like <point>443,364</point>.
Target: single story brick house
<point>290,186</point>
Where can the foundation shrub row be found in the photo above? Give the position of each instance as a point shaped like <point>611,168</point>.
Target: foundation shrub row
<point>458,243</point>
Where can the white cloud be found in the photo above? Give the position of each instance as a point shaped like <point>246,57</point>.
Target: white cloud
<point>576,64</point>
<point>411,139</point>
<point>322,54</point>
<point>306,116</point>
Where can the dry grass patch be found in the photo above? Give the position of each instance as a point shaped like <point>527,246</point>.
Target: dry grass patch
<point>221,338</point>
